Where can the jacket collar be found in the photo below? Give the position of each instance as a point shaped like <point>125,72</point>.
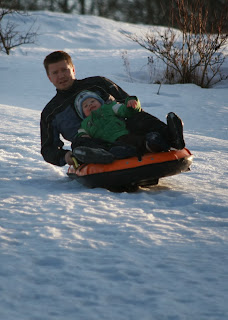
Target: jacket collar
<point>70,90</point>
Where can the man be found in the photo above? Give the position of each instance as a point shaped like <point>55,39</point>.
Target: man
<point>59,117</point>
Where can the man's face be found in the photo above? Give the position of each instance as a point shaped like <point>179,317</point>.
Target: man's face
<point>61,74</point>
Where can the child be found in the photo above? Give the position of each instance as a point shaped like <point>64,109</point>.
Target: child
<point>106,121</point>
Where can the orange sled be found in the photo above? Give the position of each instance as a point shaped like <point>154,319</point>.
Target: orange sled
<point>131,173</point>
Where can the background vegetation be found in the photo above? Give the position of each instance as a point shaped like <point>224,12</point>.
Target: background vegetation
<point>191,46</point>
<point>153,12</point>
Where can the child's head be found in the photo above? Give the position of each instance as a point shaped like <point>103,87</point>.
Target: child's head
<point>86,102</point>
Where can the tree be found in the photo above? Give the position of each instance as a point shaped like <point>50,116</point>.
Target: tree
<point>10,35</point>
<point>65,6</point>
<point>82,7</point>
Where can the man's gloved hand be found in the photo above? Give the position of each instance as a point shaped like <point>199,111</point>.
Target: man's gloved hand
<point>68,158</point>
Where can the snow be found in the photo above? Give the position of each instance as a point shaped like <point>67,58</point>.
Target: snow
<point>69,252</point>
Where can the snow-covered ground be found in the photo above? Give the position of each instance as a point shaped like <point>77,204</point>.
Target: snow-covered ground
<point>68,252</point>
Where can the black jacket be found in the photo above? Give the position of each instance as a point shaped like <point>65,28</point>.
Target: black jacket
<point>60,118</point>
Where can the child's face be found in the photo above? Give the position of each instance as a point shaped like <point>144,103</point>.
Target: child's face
<point>89,105</point>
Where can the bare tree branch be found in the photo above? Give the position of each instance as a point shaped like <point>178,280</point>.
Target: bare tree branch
<point>10,35</point>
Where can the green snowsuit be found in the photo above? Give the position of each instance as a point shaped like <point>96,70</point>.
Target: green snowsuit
<point>107,123</point>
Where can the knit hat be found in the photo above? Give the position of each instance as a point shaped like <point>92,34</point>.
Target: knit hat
<point>81,97</point>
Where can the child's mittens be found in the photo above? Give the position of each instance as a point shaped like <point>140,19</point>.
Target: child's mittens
<point>132,104</point>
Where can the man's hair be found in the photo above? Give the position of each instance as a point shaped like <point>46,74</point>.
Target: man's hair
<point>57,56</point>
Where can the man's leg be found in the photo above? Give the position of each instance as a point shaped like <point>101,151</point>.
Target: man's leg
<point>142,123</point>
<point>172,132</point>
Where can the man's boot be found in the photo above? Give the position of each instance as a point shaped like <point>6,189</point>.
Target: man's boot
<point>92,155</point>
<point>156,143</point>
<point>175,130</point>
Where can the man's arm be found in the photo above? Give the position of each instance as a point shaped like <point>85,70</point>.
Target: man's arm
<point>112,88</point>
<point>51,152</point>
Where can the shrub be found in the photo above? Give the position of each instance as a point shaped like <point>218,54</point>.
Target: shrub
<point>191,54</point>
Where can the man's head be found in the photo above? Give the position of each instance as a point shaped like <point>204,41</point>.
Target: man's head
<point>60,69</point>
<point>86,102</point>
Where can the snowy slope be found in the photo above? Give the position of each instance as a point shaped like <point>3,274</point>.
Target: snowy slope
<point>68,252</point>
